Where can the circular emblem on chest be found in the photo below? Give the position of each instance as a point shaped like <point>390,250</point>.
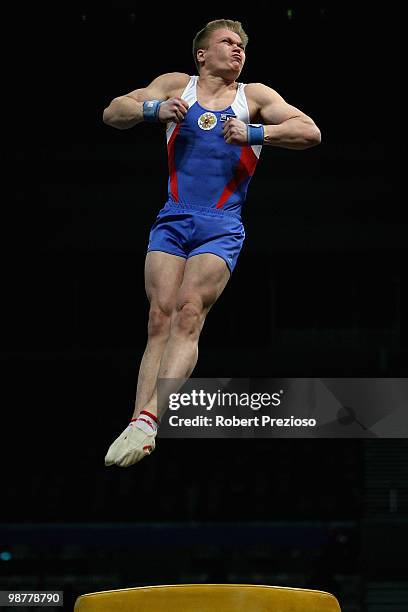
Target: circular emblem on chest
<point>207,121</point>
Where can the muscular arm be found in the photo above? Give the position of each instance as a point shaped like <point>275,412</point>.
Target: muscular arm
<point>126,111</point>
<point>284,125</point>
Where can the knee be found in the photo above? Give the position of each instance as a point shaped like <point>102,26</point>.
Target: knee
<point>159,322</point>
<point>189,319</point>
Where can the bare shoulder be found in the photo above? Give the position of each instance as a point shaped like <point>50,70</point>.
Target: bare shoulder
<point>162,87</point>
<point>175,78</point>
<point>260,93</point>
<point>270,107</point>
<point>264,102</point>
<point>172,82</point>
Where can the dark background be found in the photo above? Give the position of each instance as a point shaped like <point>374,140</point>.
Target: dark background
<point>320,289</point>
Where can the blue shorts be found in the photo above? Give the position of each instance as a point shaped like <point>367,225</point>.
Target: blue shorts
<point>188,230</point>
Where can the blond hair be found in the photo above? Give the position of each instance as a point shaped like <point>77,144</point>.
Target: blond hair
<point>201,38</point>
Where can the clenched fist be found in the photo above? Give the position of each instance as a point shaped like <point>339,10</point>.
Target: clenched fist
<point>235,132</point>
<point>174,109</point>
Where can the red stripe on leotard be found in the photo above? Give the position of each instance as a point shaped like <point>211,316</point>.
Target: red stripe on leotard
<point>172,164</point>
<point>245,168</point>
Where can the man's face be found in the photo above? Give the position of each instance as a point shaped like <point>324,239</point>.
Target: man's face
<point>225,52</point>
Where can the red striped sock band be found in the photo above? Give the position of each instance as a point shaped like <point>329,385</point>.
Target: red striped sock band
<point>152,416</point>
<point>149,414</point>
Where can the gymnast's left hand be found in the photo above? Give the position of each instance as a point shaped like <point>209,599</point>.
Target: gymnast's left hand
<point>235,132</point>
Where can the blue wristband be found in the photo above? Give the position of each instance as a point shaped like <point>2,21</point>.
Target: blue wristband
<point>255,134</point>
<point>151,110</point>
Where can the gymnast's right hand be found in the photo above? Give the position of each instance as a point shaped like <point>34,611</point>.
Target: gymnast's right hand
<point>173,109</point>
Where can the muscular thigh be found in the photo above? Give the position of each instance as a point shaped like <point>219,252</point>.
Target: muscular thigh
<point>205,277</point>
<point>163,278</point>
